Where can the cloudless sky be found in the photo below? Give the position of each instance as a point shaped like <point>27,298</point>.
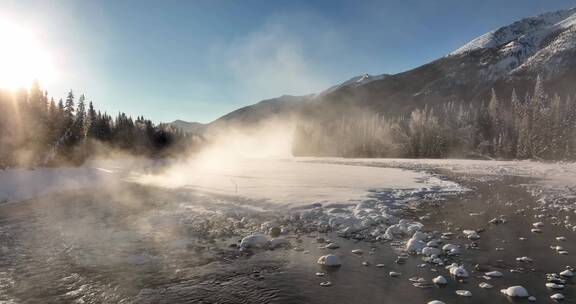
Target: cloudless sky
<point>197,60</point>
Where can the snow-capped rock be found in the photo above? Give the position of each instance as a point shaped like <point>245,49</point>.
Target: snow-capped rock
<point>429,251</point>
<point>471,234</point>
<point>440,280</point>
<point>515,292</point>
<point>329,260</point>
<point>415,245</point>
<point>254,240</point>
<point>457,271</point>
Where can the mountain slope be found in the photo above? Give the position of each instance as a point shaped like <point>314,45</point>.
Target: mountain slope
<point>285,107</point>
<point>506,58</point>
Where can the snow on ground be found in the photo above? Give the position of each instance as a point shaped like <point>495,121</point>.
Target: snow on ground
<point>291,182</point>
<point>553,183</point>
<point>285,181</point>
<point>352,200</point>
<point>552,175</point>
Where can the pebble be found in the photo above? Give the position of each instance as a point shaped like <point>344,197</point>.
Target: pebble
<point>401,260</point>
<point>320,274</point>
<point>485,285</point>
<point>326,284</point>
<point>536,230</point>
<point>447,235</point>
<point>497,221</point>
<point>332,246</point>
<point>471,234</point>
<point>557,297</point>
<point>554,286</point>
<point>561,238</point>
<point>538,225</point>
<point>567,273</point>
<point>436,302</point>
<point>380,265</point>
<point>464,293</point>
<point>524,259</point>
<point>449,247</point>
<point>395,274</point>
<point>357,251</point>
<point>494,274</point>
<point>532,298</point>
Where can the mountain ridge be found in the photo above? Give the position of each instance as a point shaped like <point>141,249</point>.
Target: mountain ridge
<point>511,56</point>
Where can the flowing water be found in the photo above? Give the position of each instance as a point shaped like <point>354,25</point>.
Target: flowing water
<point>139,244</point>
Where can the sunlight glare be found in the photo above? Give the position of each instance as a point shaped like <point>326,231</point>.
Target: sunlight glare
<point>22,57</point>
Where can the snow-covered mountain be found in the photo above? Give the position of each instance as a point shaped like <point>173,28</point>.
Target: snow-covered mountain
<point>510,57</point>
<point>506,58</point>
<point>538,43</point>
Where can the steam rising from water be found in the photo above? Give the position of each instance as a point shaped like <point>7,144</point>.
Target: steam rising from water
<point>223,160</point>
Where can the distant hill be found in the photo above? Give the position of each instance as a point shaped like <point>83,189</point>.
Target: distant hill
<point>191,127</point>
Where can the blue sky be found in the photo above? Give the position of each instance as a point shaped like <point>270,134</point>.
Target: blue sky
<point>198,60</point>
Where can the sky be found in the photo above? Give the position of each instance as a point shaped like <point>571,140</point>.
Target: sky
<point>198,60</point>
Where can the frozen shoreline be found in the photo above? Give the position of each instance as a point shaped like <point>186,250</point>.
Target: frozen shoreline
<point>280,181</point>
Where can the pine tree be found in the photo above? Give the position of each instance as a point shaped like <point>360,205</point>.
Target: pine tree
<point>91,122</point>
<point>496,129</point>
<point>69,110</point>
<point>539,127</point>
<point>79,131</point>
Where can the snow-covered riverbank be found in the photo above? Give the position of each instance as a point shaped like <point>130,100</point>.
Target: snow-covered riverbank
<point>281,181</point>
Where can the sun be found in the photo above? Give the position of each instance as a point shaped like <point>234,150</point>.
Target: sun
<point>23,58</point>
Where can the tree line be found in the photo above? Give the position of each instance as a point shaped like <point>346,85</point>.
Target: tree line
<point>37,130</point>
<point>537,126</point>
